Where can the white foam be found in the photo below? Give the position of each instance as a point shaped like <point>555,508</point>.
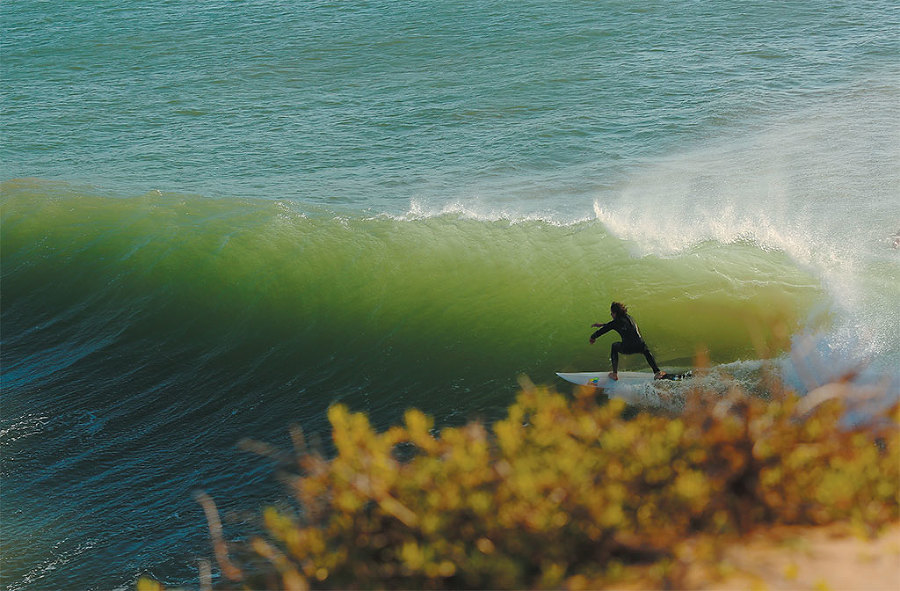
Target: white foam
<point>479,210</point>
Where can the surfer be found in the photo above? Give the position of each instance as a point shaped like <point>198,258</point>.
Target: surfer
<point>631,342</point>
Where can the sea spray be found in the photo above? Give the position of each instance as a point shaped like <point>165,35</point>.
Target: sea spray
<point>812,185</point>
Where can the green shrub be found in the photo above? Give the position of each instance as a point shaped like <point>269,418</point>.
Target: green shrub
<point>564,492</point>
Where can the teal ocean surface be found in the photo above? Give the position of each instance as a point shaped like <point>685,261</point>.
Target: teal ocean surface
<point>220,218</point>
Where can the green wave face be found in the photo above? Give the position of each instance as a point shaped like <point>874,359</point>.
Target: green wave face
<point>429,298</point>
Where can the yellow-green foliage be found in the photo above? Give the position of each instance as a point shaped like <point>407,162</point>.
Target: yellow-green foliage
<point>564,492</point>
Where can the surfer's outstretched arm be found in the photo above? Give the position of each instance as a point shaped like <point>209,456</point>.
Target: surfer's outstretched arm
<point>604,328</point>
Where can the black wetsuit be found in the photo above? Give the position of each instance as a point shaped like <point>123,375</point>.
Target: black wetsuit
<point>631,341</point>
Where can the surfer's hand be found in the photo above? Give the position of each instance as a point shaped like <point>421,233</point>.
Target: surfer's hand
<point>592,340</point>
<point>596,325</point>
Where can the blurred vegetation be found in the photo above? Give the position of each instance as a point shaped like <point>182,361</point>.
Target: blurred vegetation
<point>566,492</point>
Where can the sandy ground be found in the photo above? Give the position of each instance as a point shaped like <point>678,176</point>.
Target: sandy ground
<point>810,558</point>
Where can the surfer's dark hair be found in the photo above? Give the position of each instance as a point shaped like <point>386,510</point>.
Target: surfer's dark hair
<point>618,309</point>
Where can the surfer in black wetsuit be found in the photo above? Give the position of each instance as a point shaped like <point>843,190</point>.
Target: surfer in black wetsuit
<point>631,342</point>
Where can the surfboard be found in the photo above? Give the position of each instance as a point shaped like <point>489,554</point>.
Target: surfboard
<point>601,379</point>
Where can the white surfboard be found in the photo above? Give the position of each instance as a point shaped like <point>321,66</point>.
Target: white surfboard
<point>602,379</point>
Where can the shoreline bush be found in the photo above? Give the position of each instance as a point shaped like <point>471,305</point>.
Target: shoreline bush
<point>565,492</point>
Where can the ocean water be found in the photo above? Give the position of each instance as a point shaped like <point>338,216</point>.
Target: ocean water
<point>220,218</point>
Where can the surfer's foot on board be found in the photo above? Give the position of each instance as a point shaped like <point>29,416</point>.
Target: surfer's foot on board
<point>613,376</point>
<point>659,375</point>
